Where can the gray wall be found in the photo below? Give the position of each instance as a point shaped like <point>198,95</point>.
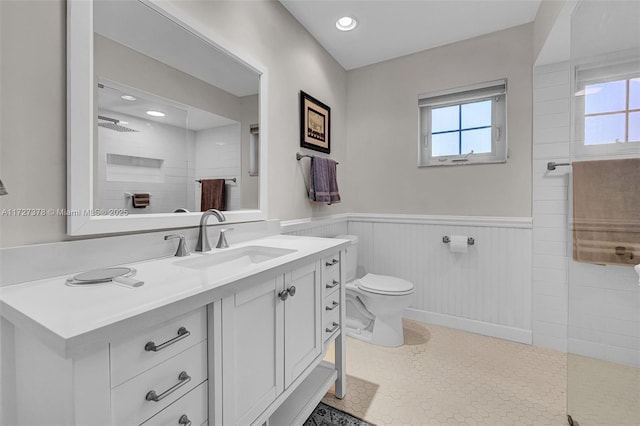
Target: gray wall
<point>33,146</point>
<point>383,131</point>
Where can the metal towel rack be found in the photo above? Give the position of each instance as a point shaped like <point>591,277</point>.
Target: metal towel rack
<point>551,165</point>
<point>300,156</point>
<point>234,180</point>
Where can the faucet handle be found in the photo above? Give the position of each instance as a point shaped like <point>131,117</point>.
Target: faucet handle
<point>183,250</point>
<point>222,240</point>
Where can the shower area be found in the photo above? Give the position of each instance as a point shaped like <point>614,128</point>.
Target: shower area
<point>603,315</point>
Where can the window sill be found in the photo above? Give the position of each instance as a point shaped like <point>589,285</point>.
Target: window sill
<point>436,163</point>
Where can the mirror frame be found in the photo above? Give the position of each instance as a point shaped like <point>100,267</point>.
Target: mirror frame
<point>81,122</point>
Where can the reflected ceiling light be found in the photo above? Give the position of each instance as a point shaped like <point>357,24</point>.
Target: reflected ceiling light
<point>156,113</point>
<point>128,97</point>
<point>346,23</point>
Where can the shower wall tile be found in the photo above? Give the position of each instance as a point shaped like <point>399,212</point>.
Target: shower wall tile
<point>598,305</point>
<point>551,150</point>
<point>551,142</point>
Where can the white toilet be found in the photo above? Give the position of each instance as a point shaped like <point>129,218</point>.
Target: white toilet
<point>374,302</point>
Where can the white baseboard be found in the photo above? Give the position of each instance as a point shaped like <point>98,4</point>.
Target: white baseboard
<point>473,326</point>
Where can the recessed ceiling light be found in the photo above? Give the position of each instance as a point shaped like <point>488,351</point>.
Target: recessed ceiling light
<point>156,113</point>
<point>128,97</point>
<point>346,23</point>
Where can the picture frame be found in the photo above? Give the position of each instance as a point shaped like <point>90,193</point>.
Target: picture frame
<point>315,124</point>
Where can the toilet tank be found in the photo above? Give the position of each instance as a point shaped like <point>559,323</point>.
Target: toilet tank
<point>351,255</point>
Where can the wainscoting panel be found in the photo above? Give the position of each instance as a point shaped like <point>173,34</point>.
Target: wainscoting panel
<point>322,227</point>
<point>486,290</point>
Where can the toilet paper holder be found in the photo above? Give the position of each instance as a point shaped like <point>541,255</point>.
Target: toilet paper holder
<point>470,240</point>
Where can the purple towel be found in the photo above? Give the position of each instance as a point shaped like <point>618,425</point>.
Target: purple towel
<point>323,181</point>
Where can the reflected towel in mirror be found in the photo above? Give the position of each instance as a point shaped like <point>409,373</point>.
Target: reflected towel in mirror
<point>213,194</point>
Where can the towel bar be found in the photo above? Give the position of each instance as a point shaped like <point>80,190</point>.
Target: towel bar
<point>301,156</point>
<point>470,240</point>
<point>234,180</point>
<point>551,165</point>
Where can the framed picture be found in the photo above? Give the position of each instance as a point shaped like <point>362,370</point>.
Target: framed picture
<point>315,124</point>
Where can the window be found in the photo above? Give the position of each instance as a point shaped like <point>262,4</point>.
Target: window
<point>463,126</point>
<point>607,101</point>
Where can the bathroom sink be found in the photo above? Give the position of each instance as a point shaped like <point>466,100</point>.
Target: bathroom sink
<point>240,257</point>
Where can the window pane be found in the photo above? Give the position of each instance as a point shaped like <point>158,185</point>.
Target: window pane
<point>476,114</point>
<point>477,140</point>
<point>603,129</point>
<point>605,97</point>
<point>634,93</point>
<point>444,144</point>
<point>443,119</point>
<point>634,127</point>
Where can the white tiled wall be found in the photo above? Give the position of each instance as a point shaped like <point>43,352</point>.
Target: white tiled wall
<point>167,185</point>
<point>217,155</point>
<point>186,156</point>
<point>551,142</point>
<point>591,310</point>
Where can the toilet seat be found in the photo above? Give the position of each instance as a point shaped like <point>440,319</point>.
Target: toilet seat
<point>384,284</point>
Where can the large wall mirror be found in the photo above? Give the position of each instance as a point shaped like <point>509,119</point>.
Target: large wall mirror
<point>164,122</point>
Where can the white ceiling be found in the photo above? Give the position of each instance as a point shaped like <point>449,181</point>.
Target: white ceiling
<point>391,28</point>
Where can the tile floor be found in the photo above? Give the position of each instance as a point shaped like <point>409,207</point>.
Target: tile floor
<point>603,393</point>
<point>449,377</point>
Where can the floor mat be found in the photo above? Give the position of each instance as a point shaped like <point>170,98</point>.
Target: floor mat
<point>324,415</point>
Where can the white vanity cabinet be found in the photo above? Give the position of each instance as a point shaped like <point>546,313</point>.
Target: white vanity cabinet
<point>190,347</point>
<point>129,381</point>
<point>271,334</point>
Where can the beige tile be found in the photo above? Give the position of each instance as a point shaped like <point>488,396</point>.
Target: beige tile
<point>602,393</point>
<point>448,377</point>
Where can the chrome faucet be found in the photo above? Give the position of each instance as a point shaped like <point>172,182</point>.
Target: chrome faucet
<point>183,250</point>
<point>203,241</point>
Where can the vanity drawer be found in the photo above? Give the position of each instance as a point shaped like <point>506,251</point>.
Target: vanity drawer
<point>331,263</point>
<point>129,402</point>
<point>331,303</point>
<point>330,323</point>
<point>190,408</point>
<point>135,354</point>
<point>330,282</point>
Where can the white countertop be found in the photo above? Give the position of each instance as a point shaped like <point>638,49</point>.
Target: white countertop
<point>72,320</point>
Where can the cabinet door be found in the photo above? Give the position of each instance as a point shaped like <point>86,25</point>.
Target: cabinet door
<point>302,321</point>
<point>252,346</point>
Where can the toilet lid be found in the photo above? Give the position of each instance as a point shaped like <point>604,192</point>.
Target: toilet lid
<point>383,284</point>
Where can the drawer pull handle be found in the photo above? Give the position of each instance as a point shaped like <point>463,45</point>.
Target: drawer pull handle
<point>333,285</point>
<point>183,379</point>
<point>333,306</point>
<point>332,329</point>
<point>151,346</point>
<point>184,420</point>
<point>292,290</point>
<point>333,262</point>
